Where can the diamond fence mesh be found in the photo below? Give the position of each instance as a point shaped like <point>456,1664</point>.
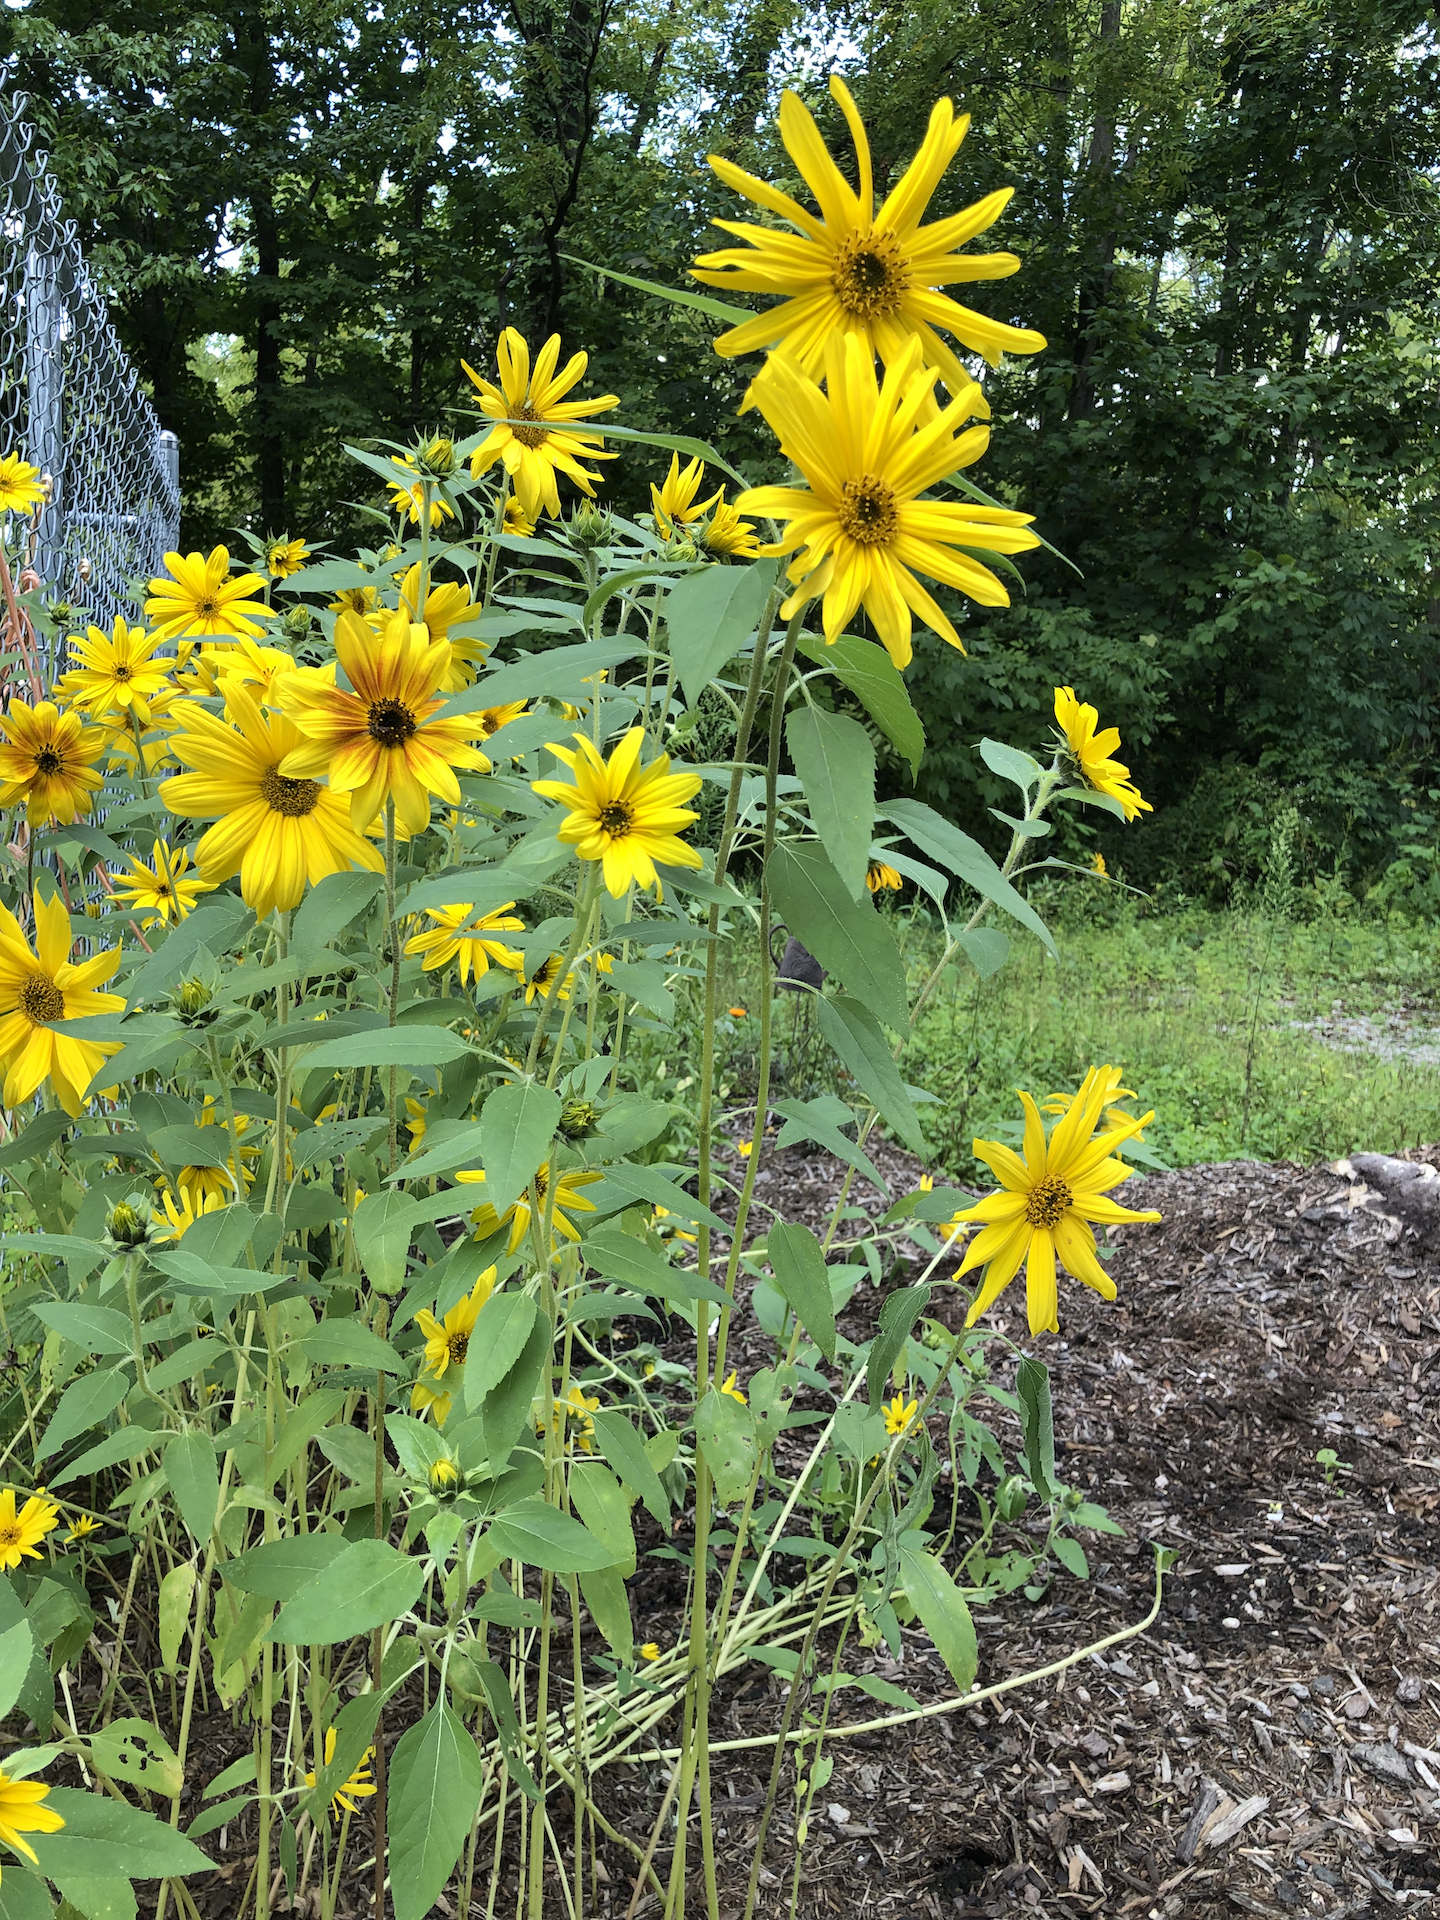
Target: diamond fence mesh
<point>71,404</point>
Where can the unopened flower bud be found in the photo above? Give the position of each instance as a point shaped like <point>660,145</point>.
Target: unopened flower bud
<point>590,526</point>
<point>437,456</point>
<point>191,998</point>
<point>128,1223</point>
<point>296,624</point>
<point>444,1477</point>
<point>579,1119</point>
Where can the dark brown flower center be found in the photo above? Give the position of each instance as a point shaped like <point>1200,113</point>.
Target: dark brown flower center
<point>41,999</point>
<point>47,760</point>
<point>870,274</point>
<point>293,798</point>
<point>530,436</point>
<point>868,512</point>
<point>122,673</point>
<point>391,723</point>
<point>458,1345</point>
<point>616,819</point>
<point>207,608</point>
<point>1048,1203</point>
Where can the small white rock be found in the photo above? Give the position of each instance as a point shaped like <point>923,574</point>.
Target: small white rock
<point>839,1816</point>
<point>1229,1621</point>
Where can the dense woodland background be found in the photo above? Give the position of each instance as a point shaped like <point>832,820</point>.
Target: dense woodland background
<point>307,213</point>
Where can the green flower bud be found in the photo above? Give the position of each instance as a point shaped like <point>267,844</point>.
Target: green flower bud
<point>128,1223</point>
<point>579,1119</point>
<point>444,1478</point>
<point>590,526</point>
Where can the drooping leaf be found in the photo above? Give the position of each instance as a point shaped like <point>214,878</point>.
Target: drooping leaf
<point>836,764</point>
<point>822,1120</point>
<point>517,1124</point>
<point>855,1034</point>
<point>501,1334</point>
<point>17,1650</point>
<point>943,1612</point>
<point>97,1329</point>
<point>84,1403</point>
<point>195,1482</point>
<point>876,682</point>
<point>1037,1424</point>
<point>626,1454</point>
<point>725,1435</point>
<point>847,936</point>
<point>604,1594</point>
<point>898,1313</point>
<point>366,1586</point>
<point>177,1592</point>
<point>801,1275</point>
<point>967,859</point>
<point>134,1751</point>
<point>541,1536</point>
<point>435,1780</point>
<point>330,906</point>
<point>710,615</point>
<point>631,1264</point>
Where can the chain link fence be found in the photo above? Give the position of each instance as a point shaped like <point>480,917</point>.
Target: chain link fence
<point>71,404</point>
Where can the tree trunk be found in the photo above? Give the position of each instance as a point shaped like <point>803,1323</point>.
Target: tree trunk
<point>1099,178</point>
<point>255,52</point>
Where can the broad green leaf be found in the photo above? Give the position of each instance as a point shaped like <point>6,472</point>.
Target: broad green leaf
<point>898,1313</point>
<point>194,1480</point>
<point>725,1435</point>
<point>502,1710</point>
<point>560,672</point>
<point>1071,1556</point>
<point>383,1226</point>
<point>215,925</point>
<point>517,1124</point>
<point>855,1034</point>
<point>821,1120</point>
<point>350,1343</point>
<point>626,1454</point>
<point>501,1334</point>
<point>177,1593</point>
<point>656,1185</point>
<point>126,1443</point>
<point>836,764</point>
<point>847,936</point>
<point>876,682</point>
<point>240,1773</point>
<point>104,1839</point>
<point>1011,764</point>
<point>1037,1424</point>
<point>506,1411</point>
<point>330,906</point>
<point>987,947</point>
<point>435,1776</point>
<point>604,1594</point>
<point>97,1329</point>
<point>386,1047</point>
<point>967,859</point>
<point>631,1264</point>
<point>943,1613</point>
<point>81,1255</point>
<point>596,1496</point>
<point>710,616</point>
<point>35,1142</point>
<point>366,1586</point>
<point>17,1650</point>
<point>221,1237</point>
<point>84,1403</point>
<point>134,1751</point>
<point>444,1156</point>
<point>190,1274</point>
<point>23,1895</point>
<point>279,1569</point>
<point>801,1275</point>
<point>189,1146</point>
<point>541,1536</point>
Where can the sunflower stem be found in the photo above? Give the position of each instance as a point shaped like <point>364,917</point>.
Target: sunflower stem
<point>392,933</point>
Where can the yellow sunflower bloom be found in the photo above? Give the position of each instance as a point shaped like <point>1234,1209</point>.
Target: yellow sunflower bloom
<point>358,1787</point>
<point>416,1121</point>
<point>180,1218</point>
<point>577,1407</point>
<point>880,876</point>
<point>517,521</point>
<point>1092,752</point>
<point>408,496</point>
<point>650,1650</point>
<point>274,831</point>
<point>205,1187</point>
<point>726,532</point>
<point>361,600</point>
<point>491,719</point>
<point>82,1530</point>
<point>165,892</point>
<point>447,1342</point>
<point>381,741</point>
<point>201,598</point>
<point>622,814</point>
<point>41,986</point>
<point>546,980</point>
<point>1115,1116</point>
<point>285,557</point>
<point>900,1414</point>
<point>568,1199</point>
<point>21,488</point>
<point>863,529</point>
<point>447,605</point>
<point>733,1391</point>
<point>854,270</point>
<point>455,936</point>
<point>431,1400</point>
<point>22,1813</point>
<point>22,1532</point>
<point>1097,864</point>
<point>48,761</point>
<point>249,665</point>
<point>114,673</point>
<point>545,443</point>
<point>674,502</point>
<point>1048,1197</point>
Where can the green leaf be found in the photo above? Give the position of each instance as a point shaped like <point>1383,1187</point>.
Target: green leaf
<point>97,1329</point>
<point>506,1412</point>
<point>517,1124</point>
<point>655,1185</point>
<point>279,1569</point>
<point>1011,764</point>
<point>876,682</point>
<point>367,1586</point>
<point>330,906</point>
<point>105,1839</point>
<point>23,1896</point>
<point>802,1276</point>
<point>1071,1556</point>
<point>385,1047</point>
<point>190,1274</point>
<point>215,925</point>
<point>676,296</point>
<point>847,936</point>
<point>625,1452</point>
<point>942,1611</point>
<point>604,1594</point>
<point>898,1313</point>
<point>350,1343</point>
<point>190,1469</point>
<point>967,859</point>
<point>634,1266</point>
<point>177,1592</point>
<point>507,1726</point>
<point>383,1225</point>
<point>596,1496</point>
<point>836,764</point>
<point>855,1034</point>
<point>84,1403</point>
<point>710,615</point>
<point>354,1732</point>
<point>821,1120</point>
<point>435,1778</point>
<point>987,948</point>
<point>17,1650</point>
<point>82,1255</point>
<point>444,1156</point>
<point>1037,1424</point>
<point>559,673</point>
<point>35,1141</point>
<point>134,1751</point>
<point>541,1536</point>
<point>725,1434</point>
<point>501,1335</point>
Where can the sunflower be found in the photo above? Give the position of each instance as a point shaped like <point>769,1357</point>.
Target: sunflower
<point>577,1407</point>
<point>1097,864</point>
<point>492,719</point>
<point>621,813</point>
<point>358,1787</point>
<point>381,741</point>
<point>674,503</point>
<point>82,1529</point>
<point>546,980</point>
<point>446,605</point>
<point>262,668</point>
<point>284,557</point>
<point>182,1216</point>
<point>1049,1194</point>
<point>22,1532</point>
<point>204,1188</point>
<point>863,530</point>
<point>416,1121</point>
<point>568,1200</point>
<point>900,1414</point>
<point>447,1342</point>
<point>21,488</point>
<point>516,521</point>
<point>543,444</point>
<point>407,496</point>
<point>42,986</point>
<point>856,271</point>
<point>732,1390</point>
<point>48,761</point>
<point>275,831</point>
<point>1116,1116</point>
<point>1091,752</point>
<point>114,673</point>
<point>202,598</point>
<point>360,600</point>
<point>431,1400</point>
<point>457,936</point>
<point>726,532</point>
<point>166,891</point>
<point>22,1813</point>
<point>879,875</point>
